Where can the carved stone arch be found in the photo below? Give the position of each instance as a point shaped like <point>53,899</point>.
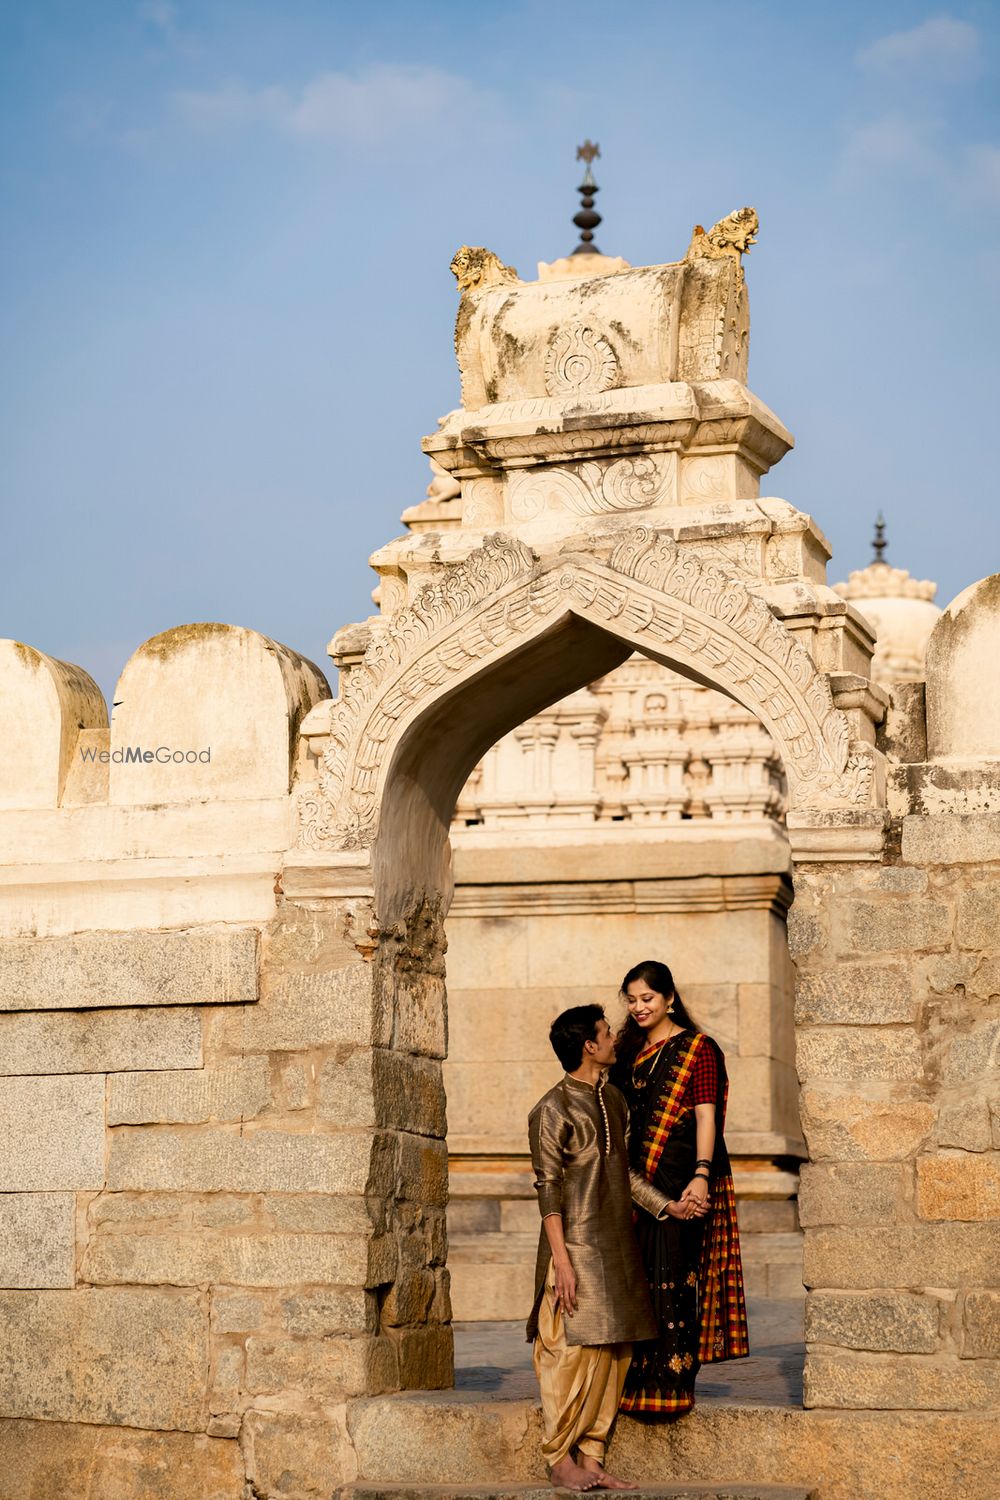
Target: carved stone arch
<point>633,591</point>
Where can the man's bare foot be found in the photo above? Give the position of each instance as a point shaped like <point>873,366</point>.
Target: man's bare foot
<point>605,1481</point>
<point>570,1476</point>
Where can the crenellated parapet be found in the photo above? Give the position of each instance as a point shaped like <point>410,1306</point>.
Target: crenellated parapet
<point>174,813</point>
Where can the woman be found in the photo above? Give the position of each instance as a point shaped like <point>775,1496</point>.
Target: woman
<point>674,1078</point>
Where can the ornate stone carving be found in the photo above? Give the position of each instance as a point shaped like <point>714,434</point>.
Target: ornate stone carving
<point>475,267</point>
<point>641,588</point>
<point>590,488</point>
<point>579,361</point>
<point>731,236</point>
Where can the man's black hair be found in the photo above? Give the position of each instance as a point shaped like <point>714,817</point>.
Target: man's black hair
<point>571,1030</point>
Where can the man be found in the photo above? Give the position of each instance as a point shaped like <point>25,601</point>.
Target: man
<point>591,1295</point>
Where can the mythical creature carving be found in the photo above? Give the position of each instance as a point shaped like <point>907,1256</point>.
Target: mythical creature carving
<point>731,237</point>
<point>641,584</point>
<point>475,267</point>
<point>579,361</point>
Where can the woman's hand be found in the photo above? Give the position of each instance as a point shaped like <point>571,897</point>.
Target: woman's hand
<point>565,1280</point>
<point>696,1194</point>
<point>687,1208</point>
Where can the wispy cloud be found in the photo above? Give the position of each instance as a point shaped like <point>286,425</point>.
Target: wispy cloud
<point>163,18</point>
<point>375,104</point>
<point>941,46</point>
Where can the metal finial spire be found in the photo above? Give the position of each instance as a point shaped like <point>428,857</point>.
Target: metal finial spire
<point>880,543</point>
<point>587,219</point>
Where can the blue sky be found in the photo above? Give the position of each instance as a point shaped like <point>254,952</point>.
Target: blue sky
<point>226,311</point>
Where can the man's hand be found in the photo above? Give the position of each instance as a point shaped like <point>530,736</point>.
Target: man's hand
<point>565,1279</point>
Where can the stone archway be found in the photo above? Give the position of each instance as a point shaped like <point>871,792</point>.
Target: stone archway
<point>385,767</point>
<point>481,646</point>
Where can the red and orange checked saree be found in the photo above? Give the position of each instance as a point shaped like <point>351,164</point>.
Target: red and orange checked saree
<point>694,1268</point>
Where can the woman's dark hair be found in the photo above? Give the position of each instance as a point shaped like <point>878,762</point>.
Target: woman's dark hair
<point>571,1030</point>
<point>631,1039</point>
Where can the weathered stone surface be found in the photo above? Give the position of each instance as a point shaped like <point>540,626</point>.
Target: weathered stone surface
<point>890,1321</point>
<point>855,1127</point>
<point>339,1309</point>
<point>216,1209</point>
<point>882,927</point>
<point>327,1213</point>
<point>845,1454</point>
<point>426,1358</point>
<point>327,1369</point>
<point>96,1041</point>
<point>981,1325</point>
<point>43,1460</point>
<point>806,933</point>
<point>903,1383</point>
<point>421,1017</point>
<point>236,1090</point>
<point>227,1159</point>
<point>311,1010</point>
<point>855,1193</point>
<point>202,966</point>
<point>965,1124</point>
<point>301,1457</point>
<point>237,1312</point>
<point>948,839</point>
<point>977,923</point>
<point>854,995</point>
<point>423,1169</point>
<point>203,1258</point>
<point>409,1297</point>
<point>384,1087</point>
<point>967,1058</point>
<point>37,1240</point>
<point>918,1255</point>
<point>959,1187</point>
<point>52,1133</point>
<point>882,1052</point>
<point>127,1357</point>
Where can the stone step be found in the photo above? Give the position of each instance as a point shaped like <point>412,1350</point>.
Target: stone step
<point>403,1441</point>
<point>363,1491</point>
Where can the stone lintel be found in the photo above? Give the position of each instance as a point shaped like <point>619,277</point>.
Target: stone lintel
<point>664,855</point>
<point>769,892</point>
<point>837,835</point>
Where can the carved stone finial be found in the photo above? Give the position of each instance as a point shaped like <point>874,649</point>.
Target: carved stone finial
<point>731,237</point>
<point>587,218</point>
<point>879,544</point>
<point>475,267</point>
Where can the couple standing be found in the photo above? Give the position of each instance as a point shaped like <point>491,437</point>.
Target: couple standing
<point>663,1276</point>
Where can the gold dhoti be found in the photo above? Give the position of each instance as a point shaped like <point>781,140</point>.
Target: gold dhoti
<point>581,1385</point>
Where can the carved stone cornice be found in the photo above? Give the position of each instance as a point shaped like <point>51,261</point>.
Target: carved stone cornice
<point>714,416</point>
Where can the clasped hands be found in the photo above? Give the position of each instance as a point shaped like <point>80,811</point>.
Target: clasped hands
<point>693,1203</point>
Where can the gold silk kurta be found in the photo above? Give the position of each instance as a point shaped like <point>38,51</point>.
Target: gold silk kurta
<point>579,1151</point>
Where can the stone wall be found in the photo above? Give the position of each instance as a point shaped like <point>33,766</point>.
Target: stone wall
<point>898,1043</point>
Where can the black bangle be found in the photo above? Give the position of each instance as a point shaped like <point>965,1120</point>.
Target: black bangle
<point>703,1164</point>
<point>702,1176</point>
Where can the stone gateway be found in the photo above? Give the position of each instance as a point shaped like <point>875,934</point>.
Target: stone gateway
<point>223,1023</point>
